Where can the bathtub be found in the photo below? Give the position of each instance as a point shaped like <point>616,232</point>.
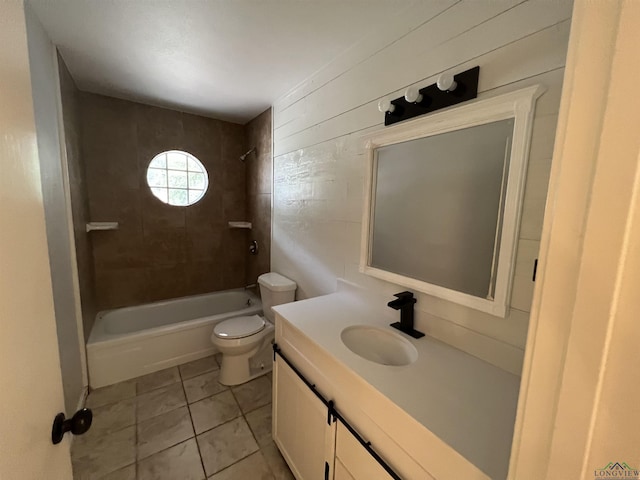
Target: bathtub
<point>133,341</point>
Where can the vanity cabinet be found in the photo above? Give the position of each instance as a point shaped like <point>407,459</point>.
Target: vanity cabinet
<point>341,472</point>
<point>352,461</point>
<point>312,436</point>
<point>300,428</point>
<point>339,416</point>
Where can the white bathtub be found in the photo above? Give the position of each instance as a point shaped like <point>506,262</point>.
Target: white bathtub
<point>133,341</point>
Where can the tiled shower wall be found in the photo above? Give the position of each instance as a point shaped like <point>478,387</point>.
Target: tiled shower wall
<point>259,176</point>
<point>161,251</point>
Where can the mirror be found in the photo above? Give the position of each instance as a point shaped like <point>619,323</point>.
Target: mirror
<point>444,198</point>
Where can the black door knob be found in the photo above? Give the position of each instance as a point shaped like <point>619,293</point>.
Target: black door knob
<point>78,424</point>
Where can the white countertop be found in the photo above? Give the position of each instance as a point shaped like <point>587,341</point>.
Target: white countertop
<point>468,403</point>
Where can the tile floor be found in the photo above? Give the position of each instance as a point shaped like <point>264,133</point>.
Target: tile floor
<point>180,424</point>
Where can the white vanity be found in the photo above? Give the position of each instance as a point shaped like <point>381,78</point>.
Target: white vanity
<point>446,415</point>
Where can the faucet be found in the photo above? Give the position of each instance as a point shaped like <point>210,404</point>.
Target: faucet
<point>405,303</point>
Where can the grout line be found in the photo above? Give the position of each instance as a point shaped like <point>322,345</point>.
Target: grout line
<point>179,441</point>
<point>225,423</point>
<point>195,435</point>
<point>244,416</point>
<point>156,388</point>
<point>163,450</point>
<point>135,432</point>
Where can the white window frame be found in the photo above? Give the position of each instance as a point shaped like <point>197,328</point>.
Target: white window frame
<point>520,106</point>
<point>186,170</point>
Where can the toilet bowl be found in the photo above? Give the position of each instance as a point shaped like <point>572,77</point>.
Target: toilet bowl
<point>239,339</point>
<point>245,342</point>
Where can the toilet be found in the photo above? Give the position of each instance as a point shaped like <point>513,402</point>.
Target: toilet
<point>245,342</point>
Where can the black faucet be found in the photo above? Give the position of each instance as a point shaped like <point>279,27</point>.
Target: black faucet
<point>405,303</point>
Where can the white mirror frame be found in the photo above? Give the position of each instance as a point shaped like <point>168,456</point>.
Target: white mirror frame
<point>518,105</point>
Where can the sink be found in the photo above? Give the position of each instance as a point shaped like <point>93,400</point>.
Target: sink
<point>379,345</point>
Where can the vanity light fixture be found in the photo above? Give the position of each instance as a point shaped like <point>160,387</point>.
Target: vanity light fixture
<point>413,95</point>
<point>385,106</point>
<point>449,90</point>
<point>446,83</point>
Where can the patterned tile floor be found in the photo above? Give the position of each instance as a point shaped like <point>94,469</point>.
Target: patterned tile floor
<point>180,424</point>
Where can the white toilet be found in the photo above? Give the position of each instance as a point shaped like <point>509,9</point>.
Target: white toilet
<point>245,342</point>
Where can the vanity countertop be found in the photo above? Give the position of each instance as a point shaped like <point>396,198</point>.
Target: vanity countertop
<point>466,402</point>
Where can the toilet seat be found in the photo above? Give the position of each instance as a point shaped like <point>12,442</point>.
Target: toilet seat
<point>239,327</point>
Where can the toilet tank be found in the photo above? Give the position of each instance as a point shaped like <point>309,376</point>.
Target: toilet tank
<point>275,289</point>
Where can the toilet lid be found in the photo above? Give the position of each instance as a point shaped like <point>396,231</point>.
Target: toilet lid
<point>239,327</point>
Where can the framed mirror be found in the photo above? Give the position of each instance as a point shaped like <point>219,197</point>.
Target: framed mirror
<point>443,200</point>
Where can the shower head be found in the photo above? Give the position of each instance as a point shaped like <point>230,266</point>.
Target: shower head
<point>243,157</point>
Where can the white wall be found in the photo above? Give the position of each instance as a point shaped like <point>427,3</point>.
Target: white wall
<point>319,163</point>
<point>45,88</point>
<point>580,392</point>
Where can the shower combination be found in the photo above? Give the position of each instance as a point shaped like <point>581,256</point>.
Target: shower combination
<point>243,157</point>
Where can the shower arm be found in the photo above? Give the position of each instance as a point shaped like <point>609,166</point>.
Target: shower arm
<point>250,151</point>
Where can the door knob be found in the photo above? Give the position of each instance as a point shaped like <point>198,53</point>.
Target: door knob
<point>78,424</point>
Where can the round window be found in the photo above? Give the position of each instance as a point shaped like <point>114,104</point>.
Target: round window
<point>177,178</point>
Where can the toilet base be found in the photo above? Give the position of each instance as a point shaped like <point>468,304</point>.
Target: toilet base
<point>236,370</point>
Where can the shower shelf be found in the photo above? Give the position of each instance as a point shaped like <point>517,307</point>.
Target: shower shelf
<point>240,225</point>
<point>101,226</point>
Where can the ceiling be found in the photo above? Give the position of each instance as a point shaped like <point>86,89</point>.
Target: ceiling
<point>227,59</point>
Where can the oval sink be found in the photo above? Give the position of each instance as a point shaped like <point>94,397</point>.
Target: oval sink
<point>379,345</point>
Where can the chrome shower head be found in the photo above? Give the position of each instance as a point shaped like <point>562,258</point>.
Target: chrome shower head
<point>243,157</point>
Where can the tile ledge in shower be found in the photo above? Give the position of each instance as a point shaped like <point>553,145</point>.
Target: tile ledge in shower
<point>246,225</point>
<point>91,226</point>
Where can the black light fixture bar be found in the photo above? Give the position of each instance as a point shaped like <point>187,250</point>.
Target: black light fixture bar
<point>433,98</point>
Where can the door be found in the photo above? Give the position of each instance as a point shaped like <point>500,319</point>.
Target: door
<point>30,375</point>
<point>578,406</point>
<point>300,427</point>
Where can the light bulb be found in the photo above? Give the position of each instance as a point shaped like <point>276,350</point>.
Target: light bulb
<point>385,105</point>
<point>412,95</point>
<point>446,83</point>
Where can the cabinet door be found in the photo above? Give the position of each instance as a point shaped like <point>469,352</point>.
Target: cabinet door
<point>353,462</point>
<point>300,427</point>
<point>341,472</point>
